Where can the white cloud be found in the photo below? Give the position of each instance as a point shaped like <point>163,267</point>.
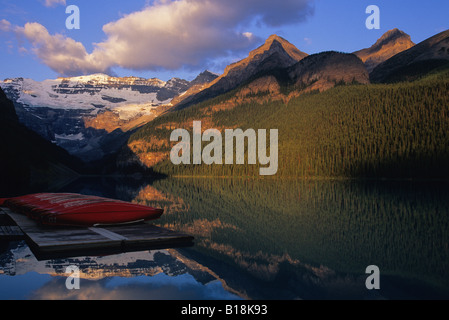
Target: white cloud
<point>5,25</point>
<point>53,3</point>
<point>167,35</point>
<point>63,55</point>
<point>249,35</point>
<point>172,35</point>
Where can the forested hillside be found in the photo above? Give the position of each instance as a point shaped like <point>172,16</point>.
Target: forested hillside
<point>396,130</point>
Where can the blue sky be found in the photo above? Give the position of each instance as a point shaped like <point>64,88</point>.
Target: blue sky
<point>165,39</point>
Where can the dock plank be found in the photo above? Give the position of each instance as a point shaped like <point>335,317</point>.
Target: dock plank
<point>66,239</point>
<point>138,234</point>
<point>8,232</point>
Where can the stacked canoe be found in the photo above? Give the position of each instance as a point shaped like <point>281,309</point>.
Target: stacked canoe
<point>71,209</point>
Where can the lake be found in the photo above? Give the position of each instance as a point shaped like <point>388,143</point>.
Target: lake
<point>259,239</point>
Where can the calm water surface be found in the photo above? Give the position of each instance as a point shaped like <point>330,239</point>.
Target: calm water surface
<point>259,239</point>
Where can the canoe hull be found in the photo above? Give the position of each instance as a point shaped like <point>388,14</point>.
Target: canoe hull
<point>68,209</point>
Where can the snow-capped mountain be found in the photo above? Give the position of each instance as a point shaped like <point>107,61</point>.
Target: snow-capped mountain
<point>94,92</point>
<point>70,111</point>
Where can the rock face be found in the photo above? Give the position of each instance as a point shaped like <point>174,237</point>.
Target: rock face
<point>391,43</point>
<point>320,72</point>
<point>203,78</point>
<point>196,85</point>
<point>324,70</point>
<point>267,84</point>
<point>419,59</point>
<point>81,113</point>
<point>276,53</point>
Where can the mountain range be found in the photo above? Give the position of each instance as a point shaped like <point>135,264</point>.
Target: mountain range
<point>83,114</point>
<point>417,60</point>
<point>99,115</point>
<point>276,53</point>
<point>319,71</point>
<point>328,98</point>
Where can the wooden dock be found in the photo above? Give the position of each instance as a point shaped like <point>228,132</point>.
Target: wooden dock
<point>53,242</point>
<point>8,229</point>
<point>10,232</point>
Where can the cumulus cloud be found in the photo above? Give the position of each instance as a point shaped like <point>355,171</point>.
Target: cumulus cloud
<point>62,54</point>
<point>167,35</point>
<point>172,35</point>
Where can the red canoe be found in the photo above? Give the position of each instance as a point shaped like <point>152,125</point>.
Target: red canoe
<point>70,209</point>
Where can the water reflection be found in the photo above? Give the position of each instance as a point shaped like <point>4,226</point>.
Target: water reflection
<point>157,274</point>
<point>269,239</point>
<point>160,287</point>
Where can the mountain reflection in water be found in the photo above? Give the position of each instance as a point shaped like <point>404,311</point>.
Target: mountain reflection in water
<point>157,274</point>
<point>272,239</point>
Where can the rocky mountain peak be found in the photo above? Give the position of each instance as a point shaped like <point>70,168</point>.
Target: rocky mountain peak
<point>391,36</point>
<point>273,45</point>
<point>391,43</point>
<point>418,59</point>
<point>204,77</point>
<point>275,53</point>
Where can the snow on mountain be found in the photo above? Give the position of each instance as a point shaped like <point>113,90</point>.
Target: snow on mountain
<point>61,109</point>
<point>87,93</point>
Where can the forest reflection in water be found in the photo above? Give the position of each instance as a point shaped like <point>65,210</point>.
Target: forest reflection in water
<point>271,239</point>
